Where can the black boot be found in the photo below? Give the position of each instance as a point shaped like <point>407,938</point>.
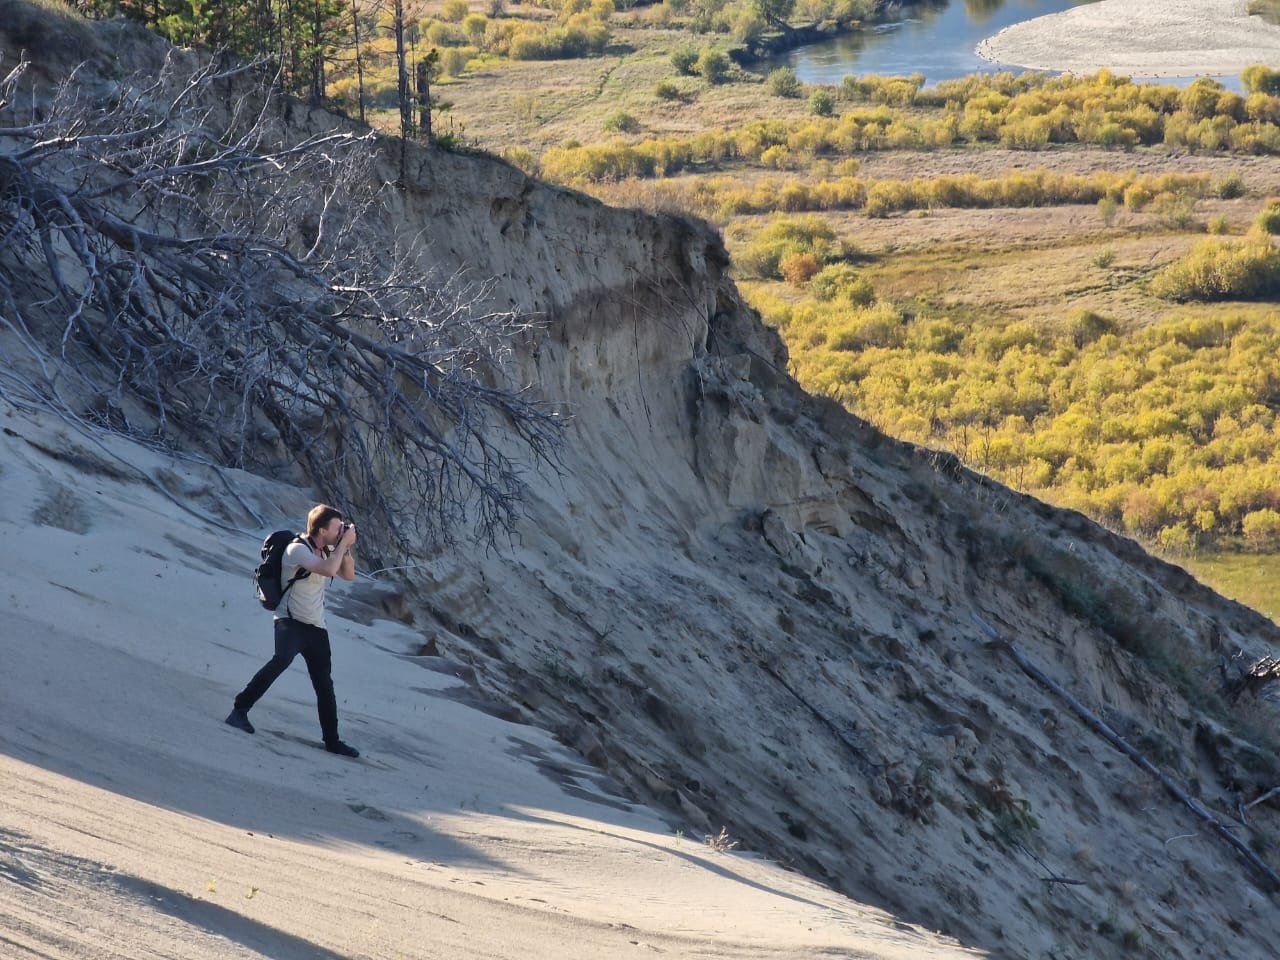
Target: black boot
<point>240,720</point>
<point>342,749</point>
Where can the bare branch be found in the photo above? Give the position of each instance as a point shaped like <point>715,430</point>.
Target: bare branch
<point>227,287</point>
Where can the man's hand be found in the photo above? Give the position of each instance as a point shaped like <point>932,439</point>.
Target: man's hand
<point>347,566</point>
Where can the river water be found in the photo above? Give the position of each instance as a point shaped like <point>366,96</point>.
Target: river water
<point>936,38</point>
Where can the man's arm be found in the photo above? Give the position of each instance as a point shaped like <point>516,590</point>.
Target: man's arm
<point>339,563</point>
<point>347,567</point>
<point>347,562</point>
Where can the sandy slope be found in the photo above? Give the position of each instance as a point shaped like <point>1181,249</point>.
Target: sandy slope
<point>135,824</point>
<point>1150,38</point>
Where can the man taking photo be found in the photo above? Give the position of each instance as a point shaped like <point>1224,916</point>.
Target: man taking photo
<point>308,564</point>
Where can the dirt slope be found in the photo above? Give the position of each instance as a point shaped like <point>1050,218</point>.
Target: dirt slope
<point>744,606</point>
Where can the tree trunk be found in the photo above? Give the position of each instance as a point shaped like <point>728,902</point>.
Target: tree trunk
<point>424,98</point>
<point>317,54</point>
<point>355,28</point>
<point>402,86</point>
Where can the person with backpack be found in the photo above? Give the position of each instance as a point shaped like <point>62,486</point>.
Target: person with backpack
<point>297,596</point>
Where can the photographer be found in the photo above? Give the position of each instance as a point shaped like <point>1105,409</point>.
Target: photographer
<point>299,620</point>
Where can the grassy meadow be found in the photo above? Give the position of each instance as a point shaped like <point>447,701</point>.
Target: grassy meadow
<point>1068,282</point>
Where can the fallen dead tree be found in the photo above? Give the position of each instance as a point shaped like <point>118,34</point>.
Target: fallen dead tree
<point>212,281</point>
<point>1102,729</point>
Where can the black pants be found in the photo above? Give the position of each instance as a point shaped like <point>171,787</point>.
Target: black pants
<point>294,637</point>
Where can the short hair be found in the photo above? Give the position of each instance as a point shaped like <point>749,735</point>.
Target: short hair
<point>319,518</point>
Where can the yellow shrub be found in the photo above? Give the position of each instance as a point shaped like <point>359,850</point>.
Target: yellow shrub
<point>1261,529</point>
<point>454,10</point>
<point>798,268</point>
<point>1222,270</point>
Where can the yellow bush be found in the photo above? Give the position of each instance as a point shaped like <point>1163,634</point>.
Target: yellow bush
<point>1137,196</point>
<point>794,197</point>
<point>877,326</point>
<point>778,157</point>
<point>798,268</point>
<point>1262,107</point>
<point>454,10</point>
<point>841,282</point>
<point>1261,529</point>
<point>441,34</point>
<point>1221,270</point>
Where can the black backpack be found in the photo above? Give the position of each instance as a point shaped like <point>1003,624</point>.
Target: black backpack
<point>266,578</point>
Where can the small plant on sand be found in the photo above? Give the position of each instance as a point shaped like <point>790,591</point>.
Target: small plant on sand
<point>1172,210</point>
<point>720,842</point>
<point>1086,326</point>
<point>1104,257</point>
<point>1131,939</point>
<point>1012,814</point>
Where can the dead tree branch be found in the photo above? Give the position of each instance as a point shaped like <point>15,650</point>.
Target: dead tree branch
<point>1258,676</point>
<point>1266,796</point>
<point>216,282</point>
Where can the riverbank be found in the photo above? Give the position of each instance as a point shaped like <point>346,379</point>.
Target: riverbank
<point>795,37</point>
<point>1147,38</point>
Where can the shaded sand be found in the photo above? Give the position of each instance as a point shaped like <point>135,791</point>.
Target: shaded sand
<point>136,824</point>
<point>1148,38</point>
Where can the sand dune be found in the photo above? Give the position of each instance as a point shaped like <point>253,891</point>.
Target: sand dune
<point>137,825</point>
<point>1149,38</point>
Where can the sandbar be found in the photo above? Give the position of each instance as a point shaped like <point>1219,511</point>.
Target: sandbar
<point>1146,38</point>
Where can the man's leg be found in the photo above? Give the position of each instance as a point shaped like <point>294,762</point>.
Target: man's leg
<point>286,640</point>
<point>319,659</point>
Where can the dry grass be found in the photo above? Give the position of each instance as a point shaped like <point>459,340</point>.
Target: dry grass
<point>567,100</point>
<point>1253,579</point>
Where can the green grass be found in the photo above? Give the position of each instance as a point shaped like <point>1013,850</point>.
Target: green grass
<point>1253,578</point>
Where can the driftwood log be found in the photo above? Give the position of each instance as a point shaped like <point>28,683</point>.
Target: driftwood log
<point>1102,729</point>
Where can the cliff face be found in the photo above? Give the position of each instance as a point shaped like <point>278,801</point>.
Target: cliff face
<point>759,614</point>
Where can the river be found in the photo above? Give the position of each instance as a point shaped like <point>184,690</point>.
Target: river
<point>935,37</point>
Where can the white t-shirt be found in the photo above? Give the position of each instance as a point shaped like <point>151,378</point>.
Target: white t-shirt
<point>305,599</point>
